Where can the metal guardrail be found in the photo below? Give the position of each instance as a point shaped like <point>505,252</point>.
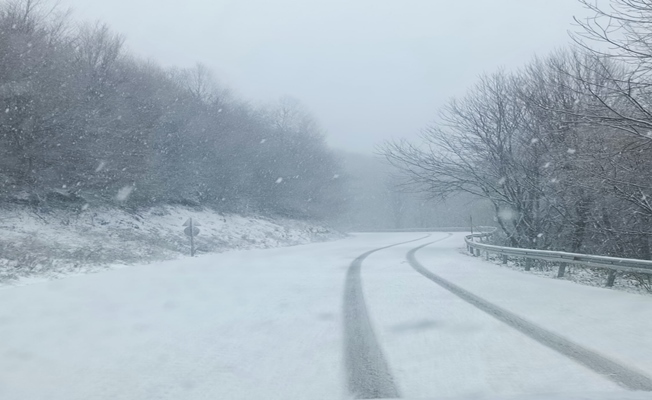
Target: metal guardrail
<point>613,264</point>
<point>431,229</point>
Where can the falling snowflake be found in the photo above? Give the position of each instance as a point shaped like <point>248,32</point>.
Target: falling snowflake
<point>534,140</point>
<point>336,176</point>
<point>502,181</point>
<point>507,214</point>
<point>571,151</point>
<point>263,141</point>
<point>123,193</point>
<point>279,180</point>
<point>85,207</point>
<point>540,235</point>
<point>100,166</point>
<point>554,180</point>
<point>547,165</point>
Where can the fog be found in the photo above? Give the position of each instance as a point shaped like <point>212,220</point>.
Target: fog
<point>264,198</point>
<point>368,69</point>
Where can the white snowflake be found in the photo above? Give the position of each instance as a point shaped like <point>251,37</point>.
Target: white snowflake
<point>507,214</point>
<point>123,193</point>
<point>100,167</point>
<point>571,151</point>
<point>279,180</point>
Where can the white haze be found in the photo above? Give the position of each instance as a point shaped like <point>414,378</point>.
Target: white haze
<point>368,69</point>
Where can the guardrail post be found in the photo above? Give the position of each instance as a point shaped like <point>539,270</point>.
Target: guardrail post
<point>611,278</point>
<point>477,252</point>
<point>486,256</point>
<point>562,270</point>
<point>528,264</point>
<point>504,258</point>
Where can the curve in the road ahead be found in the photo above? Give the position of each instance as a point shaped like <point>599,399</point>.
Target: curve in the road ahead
<point>610,369</point>
<point>368,375</point>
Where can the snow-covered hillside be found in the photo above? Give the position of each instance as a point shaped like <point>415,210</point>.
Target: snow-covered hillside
<point>46,245</point>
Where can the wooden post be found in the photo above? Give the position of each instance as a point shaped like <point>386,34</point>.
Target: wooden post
<point>528,264</point>
<point>562,270</point>
<point>192,240</point>
<point>471,219</point>
<point>486,255</point>
<point>505,258</point>
<point>611,278</point>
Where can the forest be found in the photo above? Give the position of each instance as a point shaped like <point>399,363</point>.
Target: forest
<point>560,147</point>
<point>83,122</point>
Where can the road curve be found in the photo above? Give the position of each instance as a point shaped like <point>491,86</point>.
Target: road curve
<point>368,375</point>
<point>622,375</point>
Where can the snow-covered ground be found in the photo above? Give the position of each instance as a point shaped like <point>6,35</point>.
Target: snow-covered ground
<point>267,324</point>
<point>614,323</point>
<point>578,274</point>
<point>45,245</point>
<point>438,345</point>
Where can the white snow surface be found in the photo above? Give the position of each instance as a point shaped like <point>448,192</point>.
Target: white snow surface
<point>42,245</point>
<point>266,324</point>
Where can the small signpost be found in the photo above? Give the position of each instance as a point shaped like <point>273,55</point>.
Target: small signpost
<point>192,231</point>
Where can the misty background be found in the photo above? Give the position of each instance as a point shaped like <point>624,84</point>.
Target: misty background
<point>370,70</point>
<point>369,115</point>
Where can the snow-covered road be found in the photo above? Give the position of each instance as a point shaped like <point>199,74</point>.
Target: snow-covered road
<point>272,324</point>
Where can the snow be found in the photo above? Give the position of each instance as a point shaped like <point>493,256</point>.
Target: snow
<point>37,246</point>
<point>613,323</point>
<point>236,325</point>
<point>124,193</point>
<point>100,166</point>
<point>440,346</point>
<point>266,324</point>
<point>578,274</point>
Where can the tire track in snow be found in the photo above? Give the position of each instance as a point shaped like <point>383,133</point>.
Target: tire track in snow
<point>368,375</point>
<point>620,374</point>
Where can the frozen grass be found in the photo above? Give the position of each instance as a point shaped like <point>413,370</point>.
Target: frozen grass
<point>39,245</point>
<point>633,283</point>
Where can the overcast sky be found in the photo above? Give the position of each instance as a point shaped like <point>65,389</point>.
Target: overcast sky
<point>368,69</point>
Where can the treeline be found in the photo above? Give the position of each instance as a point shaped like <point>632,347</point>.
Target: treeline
<point>84,122</point>
<point>562,148</point>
